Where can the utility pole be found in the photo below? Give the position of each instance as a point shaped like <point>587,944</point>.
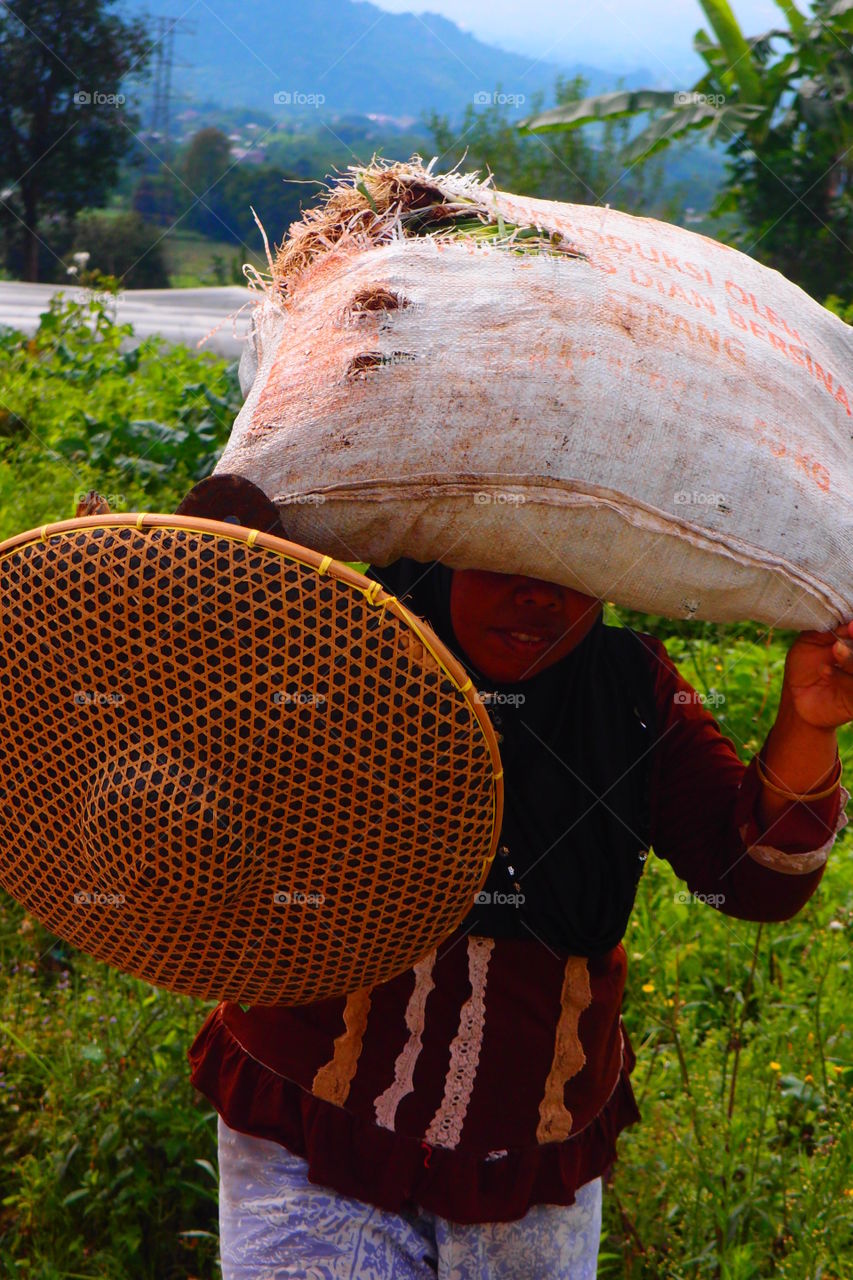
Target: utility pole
<point>164,61</point>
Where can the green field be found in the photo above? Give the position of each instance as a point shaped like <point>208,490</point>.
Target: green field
<point>194,260</point>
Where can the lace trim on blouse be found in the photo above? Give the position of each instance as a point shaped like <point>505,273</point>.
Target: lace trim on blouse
<point>332,1081</point>
<point>404,1068</point>
<point>555,1119</point>
<point>798,864</point>
<point>445,1127</point>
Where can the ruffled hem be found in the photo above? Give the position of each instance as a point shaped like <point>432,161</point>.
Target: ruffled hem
<point>356,1158</point>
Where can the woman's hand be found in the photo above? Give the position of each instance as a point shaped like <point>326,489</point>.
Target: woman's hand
<point>800,755</point>
<point>819,677</point>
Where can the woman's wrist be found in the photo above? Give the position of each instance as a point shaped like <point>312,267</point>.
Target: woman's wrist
<point>798,757</point>
<point>799,762</point>
<point>822,789</point>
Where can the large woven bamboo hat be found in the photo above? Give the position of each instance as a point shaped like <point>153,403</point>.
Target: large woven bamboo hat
<point>230,765</point>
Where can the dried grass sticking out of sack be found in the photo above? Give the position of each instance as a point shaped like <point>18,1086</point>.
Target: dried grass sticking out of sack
<point>386,199</point>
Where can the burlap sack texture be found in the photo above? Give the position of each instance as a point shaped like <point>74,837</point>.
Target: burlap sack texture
<point>446,371</point>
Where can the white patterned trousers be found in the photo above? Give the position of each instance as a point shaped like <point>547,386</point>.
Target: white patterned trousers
<point>274,1223</point>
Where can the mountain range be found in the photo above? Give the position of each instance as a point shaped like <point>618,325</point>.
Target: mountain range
<point>332,56</point>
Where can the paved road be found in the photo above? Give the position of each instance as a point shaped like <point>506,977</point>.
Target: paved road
<point>179,315</point>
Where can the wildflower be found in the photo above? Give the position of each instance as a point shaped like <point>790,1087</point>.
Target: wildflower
<point>837,1069</point>
<point>775,1066</point>
<point>648,986</point>
<point>835,926</point>
<point>809,1079</point>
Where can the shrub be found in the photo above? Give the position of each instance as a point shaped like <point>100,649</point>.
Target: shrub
<point>81,411</point>
<point>125,246</point>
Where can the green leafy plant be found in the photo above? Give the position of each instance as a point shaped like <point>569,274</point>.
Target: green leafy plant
<point>83,406</point>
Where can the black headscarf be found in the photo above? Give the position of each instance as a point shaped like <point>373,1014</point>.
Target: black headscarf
<point>575,741</point>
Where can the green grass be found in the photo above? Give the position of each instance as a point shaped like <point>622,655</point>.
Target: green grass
<point>194,260</point>
<point>742,1165</point>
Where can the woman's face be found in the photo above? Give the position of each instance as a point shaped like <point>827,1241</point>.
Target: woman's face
<point>512,627</point>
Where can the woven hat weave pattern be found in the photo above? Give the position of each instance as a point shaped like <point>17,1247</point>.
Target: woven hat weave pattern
<point>230,765</point>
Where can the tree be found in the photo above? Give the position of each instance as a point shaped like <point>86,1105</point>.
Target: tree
<point>124,246</point>
<point>270,191</point>
<point>63,122</point>
<point>213,194</point>
<point>568,168</point>
<point>780,103</point>
<point>206,162</point>
<point>159,198</point>
<point>207,173</point>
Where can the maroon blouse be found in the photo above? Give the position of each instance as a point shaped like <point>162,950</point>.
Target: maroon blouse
<point>495,1074</point>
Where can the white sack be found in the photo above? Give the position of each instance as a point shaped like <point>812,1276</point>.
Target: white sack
<point>663,422</point>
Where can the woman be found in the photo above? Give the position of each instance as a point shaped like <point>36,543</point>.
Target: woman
<point>459,1119</point>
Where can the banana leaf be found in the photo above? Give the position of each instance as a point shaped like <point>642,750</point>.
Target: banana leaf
<point>727,121</point>
<point>796,21</point>
<point>714,58</point>
<point>605,106</point>
<point>735,47</point>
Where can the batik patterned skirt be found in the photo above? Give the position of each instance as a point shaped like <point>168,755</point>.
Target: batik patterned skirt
<point>274,1224</point>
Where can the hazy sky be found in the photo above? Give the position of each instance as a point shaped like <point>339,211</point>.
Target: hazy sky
<point>620,34</point>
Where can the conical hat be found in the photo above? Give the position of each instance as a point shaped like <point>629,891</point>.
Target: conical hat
<point>230,765</point>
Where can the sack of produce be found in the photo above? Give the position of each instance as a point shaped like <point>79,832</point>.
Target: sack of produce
<point>450,372</point>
